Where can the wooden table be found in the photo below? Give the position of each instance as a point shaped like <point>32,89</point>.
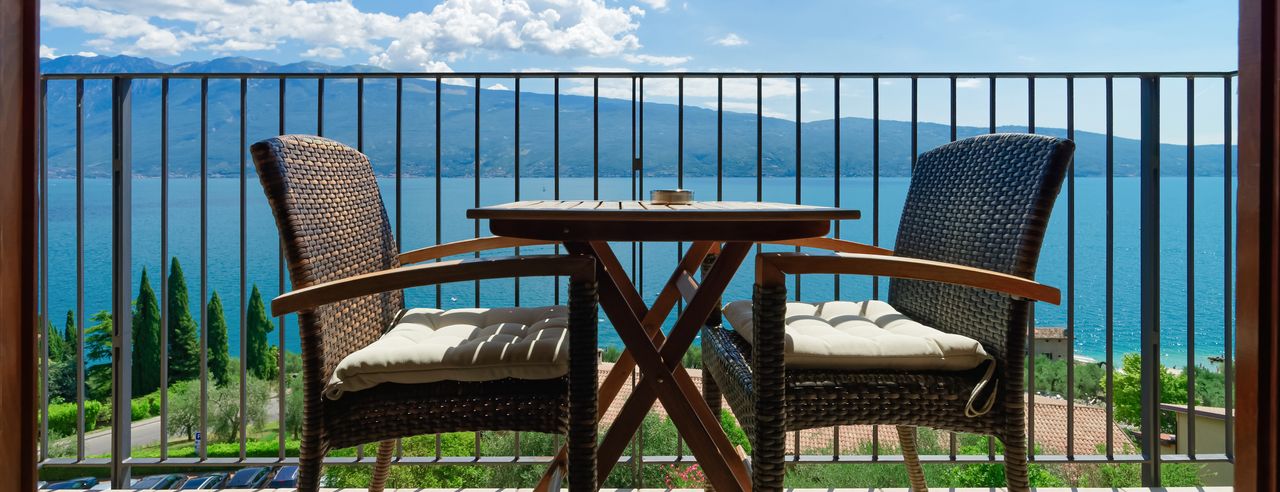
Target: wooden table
<point>586,226</point>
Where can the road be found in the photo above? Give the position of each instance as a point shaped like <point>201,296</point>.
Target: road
<point>142,433</point>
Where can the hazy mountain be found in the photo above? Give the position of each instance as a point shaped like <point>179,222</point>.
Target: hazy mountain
<point>497,137</point>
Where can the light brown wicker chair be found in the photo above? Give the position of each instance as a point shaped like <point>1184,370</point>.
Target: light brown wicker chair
<point>967,245</point>
<point>348,277</point>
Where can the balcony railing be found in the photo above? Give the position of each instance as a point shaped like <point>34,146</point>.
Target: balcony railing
<point>1135,255</point>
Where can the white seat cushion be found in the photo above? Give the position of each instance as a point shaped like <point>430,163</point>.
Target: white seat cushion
<point>430,345</point>
<point>862,335</point>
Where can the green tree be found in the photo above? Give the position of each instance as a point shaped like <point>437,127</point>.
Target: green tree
<point>1128,391</point>
<point>219,355</point>
<point>146,339</point>
<point>56,341</point>
<point>184,343</point>
<point>62,360</point>
<point>258,325</point>
<point>97,341</point>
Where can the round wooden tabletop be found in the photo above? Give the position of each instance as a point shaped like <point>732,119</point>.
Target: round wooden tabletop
<point>602,220</point>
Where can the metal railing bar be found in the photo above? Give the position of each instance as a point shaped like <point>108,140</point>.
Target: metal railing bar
<point>991,102</point>
<point>1071,273</point>
<point>645,74</point>
<point>799,174</point>
<point>1110,267</point>
<point>1228,310</point>
<point>399,158</point>
<point>680,133</point>
<point>1191,266</point>
<point>759,144</point>
<point>439,186</point>
<point>201,448</point>
<point>476,180</point>
<point>280,401</point>
<point>595,138</point>
<point>720,140</point>
<point>80,327</point>
<point>516,169</point>
<point>875,182</point>
<point>555,174</point>
<point>1031,315</point>
<point>43,325</point>
<point>244,344</point>
<point>952,100</point>
<point>320,107</point>
<point>1149,258</point>
<point>164,268</point>
<point>991,108</point>
<point>836,199</point>
<point>121,277</point>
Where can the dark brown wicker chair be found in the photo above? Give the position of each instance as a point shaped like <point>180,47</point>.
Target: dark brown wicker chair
<point>967,245</point>
<point>348,279</point>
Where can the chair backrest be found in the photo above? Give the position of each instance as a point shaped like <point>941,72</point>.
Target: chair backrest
<point>327,206</point>
<point>982,202</point>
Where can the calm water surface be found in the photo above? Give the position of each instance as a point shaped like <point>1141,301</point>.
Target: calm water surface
<point>417,220</point>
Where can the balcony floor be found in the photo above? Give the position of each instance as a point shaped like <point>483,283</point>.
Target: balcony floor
<point>938,489</point>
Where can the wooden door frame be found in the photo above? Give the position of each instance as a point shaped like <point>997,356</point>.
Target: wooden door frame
<point>1257,277</point>
<point>19,96</point>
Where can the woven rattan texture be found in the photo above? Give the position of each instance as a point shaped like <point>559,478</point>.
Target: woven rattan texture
<point>327,206</point>
<point>982,202</point>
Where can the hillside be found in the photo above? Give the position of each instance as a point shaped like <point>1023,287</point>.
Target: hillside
<point>497,136</point>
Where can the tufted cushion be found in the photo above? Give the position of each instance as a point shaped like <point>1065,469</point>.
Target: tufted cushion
<point>862,335</point>
<point>430,345</point>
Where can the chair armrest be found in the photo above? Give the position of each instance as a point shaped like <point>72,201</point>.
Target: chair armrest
<point>772,267</point>
<point>466,246</point>
<point>836,245</point>
<point>575,267</point>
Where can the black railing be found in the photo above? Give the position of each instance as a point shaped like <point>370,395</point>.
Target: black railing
<point>123,138</point>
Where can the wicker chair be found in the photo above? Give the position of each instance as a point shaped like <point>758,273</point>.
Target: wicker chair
<point>348,279</point>
<point>967,245</point>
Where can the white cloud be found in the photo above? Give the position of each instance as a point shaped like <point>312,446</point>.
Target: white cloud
<point>659,5</point>
<point>968,83</point>
<point>498,87</point>
<point>730,39</point>
<point>329,52</point>
<point>47,52</point>
<point>87,54</point>
<point>422,40</point>
<point>665,61</point>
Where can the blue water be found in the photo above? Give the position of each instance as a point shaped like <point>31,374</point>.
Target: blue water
<point>418,216</point>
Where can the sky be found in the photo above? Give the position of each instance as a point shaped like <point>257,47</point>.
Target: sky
<point>705,35</point>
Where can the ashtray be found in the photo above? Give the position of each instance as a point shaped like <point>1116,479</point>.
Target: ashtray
<point>671,197</point>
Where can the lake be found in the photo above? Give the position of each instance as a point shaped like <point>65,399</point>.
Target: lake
<point>418,224</point>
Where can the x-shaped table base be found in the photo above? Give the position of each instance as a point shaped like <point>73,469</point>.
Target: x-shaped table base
<point>658,357</point>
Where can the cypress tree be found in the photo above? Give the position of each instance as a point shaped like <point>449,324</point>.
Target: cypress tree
<point>71,335</point>
<point>97,341</point>
<point>219,356</point>
<point>146,339</point>
<point>57,343</point>
<point>184,341</point>
<point>258,325</point>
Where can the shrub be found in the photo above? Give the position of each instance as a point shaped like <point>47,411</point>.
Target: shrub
<point>62,417</point>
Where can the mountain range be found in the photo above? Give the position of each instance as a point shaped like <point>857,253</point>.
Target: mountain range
<point>497,134</point>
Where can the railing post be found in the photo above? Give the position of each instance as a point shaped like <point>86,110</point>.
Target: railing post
<point>1150,283</point>
<point>122,278</point>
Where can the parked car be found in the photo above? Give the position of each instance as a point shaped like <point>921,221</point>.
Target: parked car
<point>160,482</point>
<point>75,483</point>
<point>248,478</point>
<point>286,477</point>
<point>206,481</point>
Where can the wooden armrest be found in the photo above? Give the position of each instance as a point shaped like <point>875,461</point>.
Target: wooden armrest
<point>771,269</point>
<point>837,245</point>
<point>575,267</point>
<point>466,246</point>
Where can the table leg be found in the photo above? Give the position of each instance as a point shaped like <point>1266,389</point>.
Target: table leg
<point>664,379</point>
<point>652,323</point>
